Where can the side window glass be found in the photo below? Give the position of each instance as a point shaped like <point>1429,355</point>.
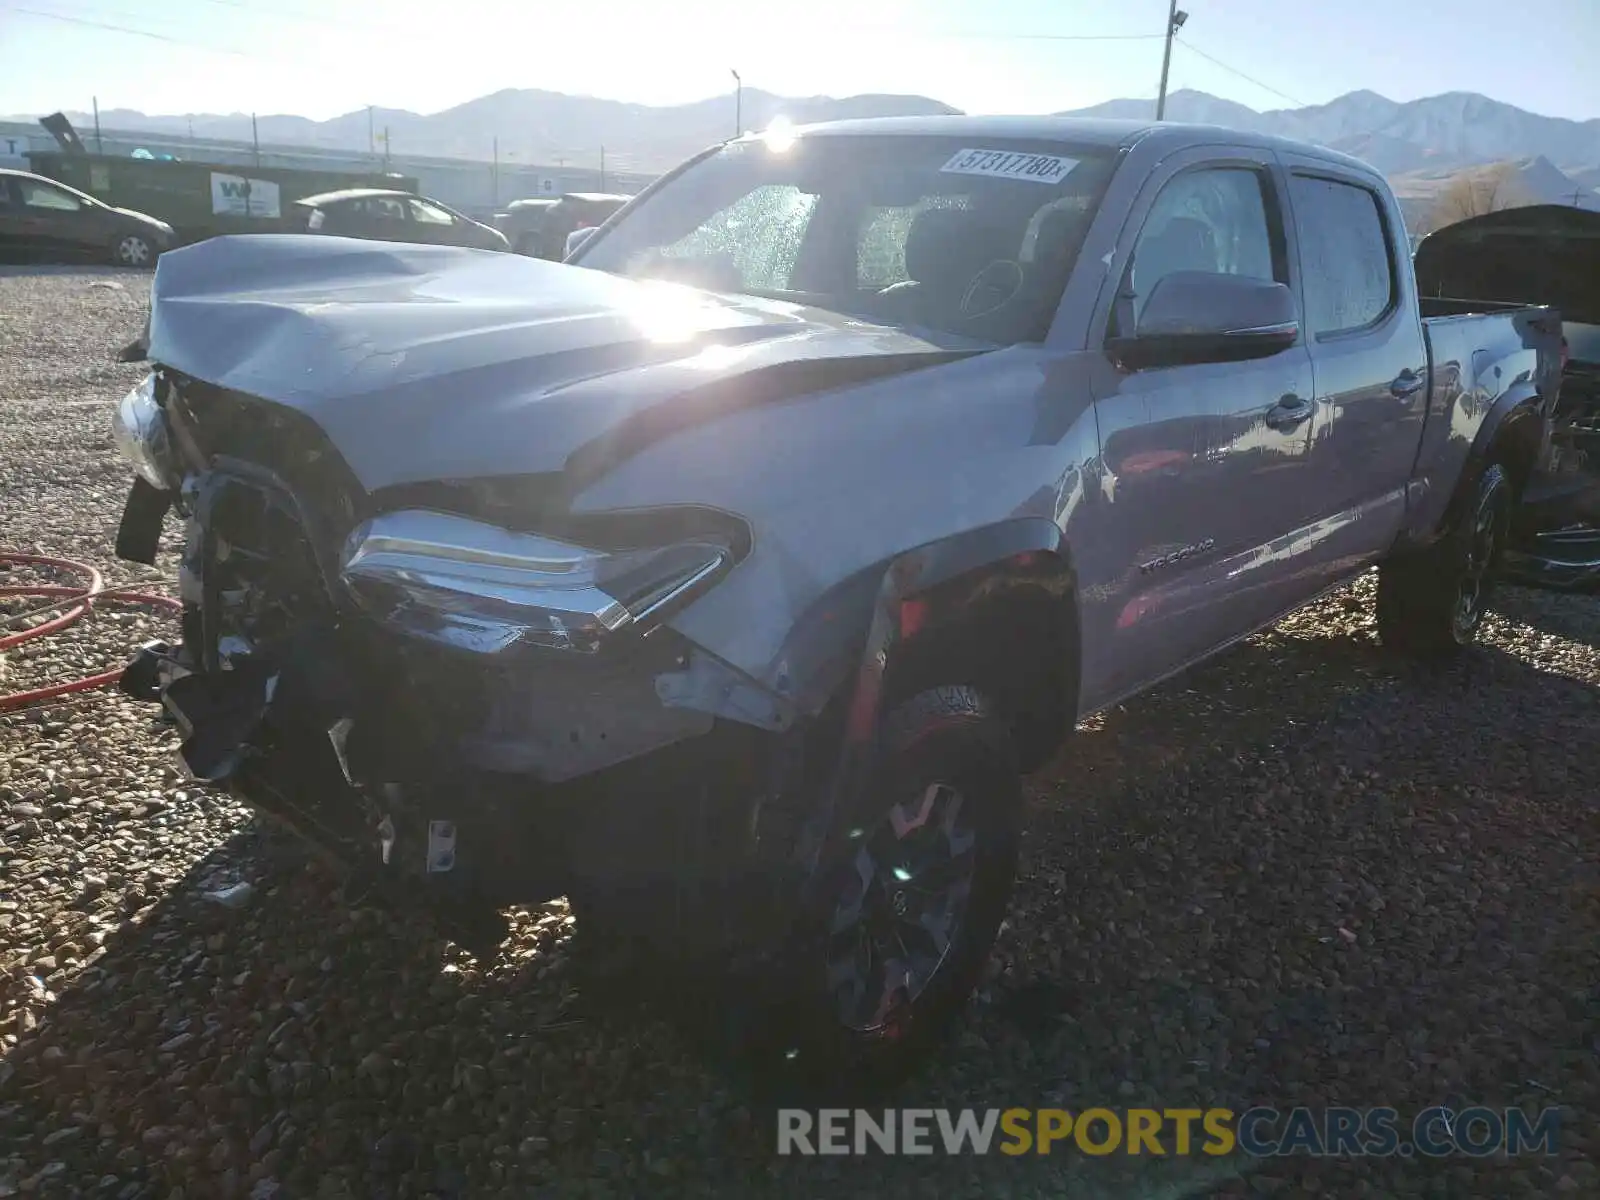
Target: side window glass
<point>430,214</point>
<point>1349,276</point>
<point>1213,220</point>
<point>381,208</point>
<point>43,196</point>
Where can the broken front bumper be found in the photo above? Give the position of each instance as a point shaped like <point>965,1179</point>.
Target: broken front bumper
<point>463,781</point>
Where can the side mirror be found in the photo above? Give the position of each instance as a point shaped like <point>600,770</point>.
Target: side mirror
<point>1202,316</point>
<point>577,238</point>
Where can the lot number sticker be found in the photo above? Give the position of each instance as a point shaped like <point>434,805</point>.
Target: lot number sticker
<point>1008,164</point>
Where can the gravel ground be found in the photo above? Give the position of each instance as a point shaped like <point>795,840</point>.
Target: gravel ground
<point>1299,875</point>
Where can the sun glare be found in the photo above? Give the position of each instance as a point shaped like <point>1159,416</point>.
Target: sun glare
<point>779,135</point>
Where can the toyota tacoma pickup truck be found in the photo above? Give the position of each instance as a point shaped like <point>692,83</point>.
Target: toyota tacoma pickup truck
<point>729,577</point>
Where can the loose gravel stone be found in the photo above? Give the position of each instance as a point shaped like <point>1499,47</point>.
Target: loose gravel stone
<point>1301,874</point>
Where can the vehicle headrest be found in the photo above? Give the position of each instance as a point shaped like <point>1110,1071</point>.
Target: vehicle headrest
<point>948,244</point>
<point>1183,244</point>
<point>1058,234</point>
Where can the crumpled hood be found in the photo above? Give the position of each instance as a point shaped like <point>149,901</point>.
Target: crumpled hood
<point>433,362</point>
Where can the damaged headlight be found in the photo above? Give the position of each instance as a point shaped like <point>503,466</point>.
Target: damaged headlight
<point>484,588</point>
<point>139,428</point>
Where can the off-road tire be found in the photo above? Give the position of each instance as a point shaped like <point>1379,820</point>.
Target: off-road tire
<point>1432,603</point>
<point>784,1030</point>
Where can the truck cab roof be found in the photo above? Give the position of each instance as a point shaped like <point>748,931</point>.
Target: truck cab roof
<point>1119,134</point>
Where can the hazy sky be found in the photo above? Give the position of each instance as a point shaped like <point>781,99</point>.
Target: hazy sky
<point>323,58</point>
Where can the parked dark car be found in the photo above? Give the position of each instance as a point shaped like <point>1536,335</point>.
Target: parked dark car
<point>571,212</point>
<point>384,215</point>
<point>40,218</point>
<point>729,578</point>
<point>522,222</point>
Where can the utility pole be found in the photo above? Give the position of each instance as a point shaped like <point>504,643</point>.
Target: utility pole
<point>98,148</point>
<point>738,103</point>
<point>386,148</point>
<point>372,136</point>
<point>255,140</point>
<point>1175,19</point>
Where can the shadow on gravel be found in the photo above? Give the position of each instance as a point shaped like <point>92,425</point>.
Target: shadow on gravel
<point>1295,876</point>
<point>1573,617</point>
<point>18,267</point>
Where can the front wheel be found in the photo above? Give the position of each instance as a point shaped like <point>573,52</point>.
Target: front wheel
<point>131,250</point>
<point>1431,605</point>
<point>904,920</point>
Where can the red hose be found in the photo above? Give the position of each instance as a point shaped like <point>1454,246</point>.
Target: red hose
<point>81,600</point>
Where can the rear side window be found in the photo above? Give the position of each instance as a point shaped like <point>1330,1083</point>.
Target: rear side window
<point>1349,274</point>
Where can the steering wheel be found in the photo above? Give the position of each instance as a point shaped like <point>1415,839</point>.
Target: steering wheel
<point>992,288</point>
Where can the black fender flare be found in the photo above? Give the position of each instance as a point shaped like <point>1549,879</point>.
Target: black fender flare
<point>835,636</point>
<point>922,589</point>
<point>1521,412</point>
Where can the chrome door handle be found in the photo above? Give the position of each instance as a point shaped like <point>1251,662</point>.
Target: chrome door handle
<point>1407,383</point>
<point>1288,412</point>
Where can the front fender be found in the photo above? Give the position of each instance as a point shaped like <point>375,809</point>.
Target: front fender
<point>855,624</point>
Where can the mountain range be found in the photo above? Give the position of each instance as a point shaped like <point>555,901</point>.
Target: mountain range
<point>1420,143</point>
<point>530,125</point>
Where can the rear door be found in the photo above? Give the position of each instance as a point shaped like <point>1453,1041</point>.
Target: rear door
<point>1205,466</point>
<point>1367,353</point>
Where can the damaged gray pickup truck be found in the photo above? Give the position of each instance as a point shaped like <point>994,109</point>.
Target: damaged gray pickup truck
<point>729,577</point>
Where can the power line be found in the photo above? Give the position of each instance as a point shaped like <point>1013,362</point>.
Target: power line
<point>1187,45</point>
<point>1046,37</point>
<point>127,29</point>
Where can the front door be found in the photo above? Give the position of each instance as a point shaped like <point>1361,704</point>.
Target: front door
<point>381,218</point>
<point>430,223</point>
<point>1205,467</point>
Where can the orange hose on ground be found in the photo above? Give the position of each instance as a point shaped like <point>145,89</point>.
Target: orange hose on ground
<point>80,600</point>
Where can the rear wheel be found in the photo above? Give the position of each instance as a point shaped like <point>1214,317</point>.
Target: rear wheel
<point>1431,605</point>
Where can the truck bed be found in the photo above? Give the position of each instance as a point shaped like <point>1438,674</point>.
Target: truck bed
<point>1481,354</point>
